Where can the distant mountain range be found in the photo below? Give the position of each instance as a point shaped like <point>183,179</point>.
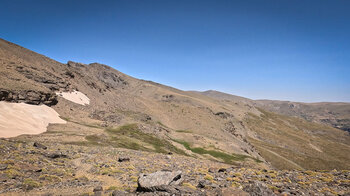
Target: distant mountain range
<point>336,114</point>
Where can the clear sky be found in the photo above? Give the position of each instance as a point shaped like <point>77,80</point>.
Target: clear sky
<point>295,50</point>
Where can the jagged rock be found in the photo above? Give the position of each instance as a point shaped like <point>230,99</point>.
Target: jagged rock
<point>123,159</point>
<point>224,115</point>
<point>201,184</point>
<point>70,74</point>
<point>159,181</point>
<point>29,97</point>
<point>56,155</point>
<point>38,145</point>
<point>75,64</point>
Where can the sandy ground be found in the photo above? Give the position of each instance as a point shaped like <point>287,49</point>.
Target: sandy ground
<point>20,118</point>
<point>76,97</point>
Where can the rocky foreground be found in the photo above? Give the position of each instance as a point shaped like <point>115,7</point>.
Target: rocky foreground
<point>63,169</point>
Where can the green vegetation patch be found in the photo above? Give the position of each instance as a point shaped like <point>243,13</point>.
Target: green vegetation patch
<point>129,136</point>
<point>184,131</point>
<point>29,184</point>
<point>227,158</point>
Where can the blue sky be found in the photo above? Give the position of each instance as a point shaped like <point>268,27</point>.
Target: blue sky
<point>273,49</point>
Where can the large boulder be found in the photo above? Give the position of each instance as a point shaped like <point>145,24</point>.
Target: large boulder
<point>159,181</point>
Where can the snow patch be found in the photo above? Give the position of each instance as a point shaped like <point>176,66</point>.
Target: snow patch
<point>21,118</point>
<point>76,97</point>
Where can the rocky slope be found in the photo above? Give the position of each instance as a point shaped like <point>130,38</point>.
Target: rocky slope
<point>335,114</point>
<point>133,126</point>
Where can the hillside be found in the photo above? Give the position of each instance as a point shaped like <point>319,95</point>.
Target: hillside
<point>335,114</point>
<point>153,127</point>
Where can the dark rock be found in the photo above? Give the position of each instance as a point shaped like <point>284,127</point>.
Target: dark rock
<point>56,155</point>
<point>224,115</point>
<point>201,184</point>
<point>38,145</point>
<point>3,95</point>
<point>222,170</point>
<point>29,97</point>
<point>70,74</point>
<point>123,159</point>
<point>158,181</point>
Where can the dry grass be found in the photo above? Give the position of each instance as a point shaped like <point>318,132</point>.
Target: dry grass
<point>285,142</point>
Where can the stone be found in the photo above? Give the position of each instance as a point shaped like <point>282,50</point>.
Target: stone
<point>56,155</point>
<point>38,145</point>
<point>257,188</point>
<point>3,166</point>
<point>123,159</point>
<point>98,191</point>
<point>158,181</point>
<point>201,184</point>
<point>118,193</point>
<point>98,188</point>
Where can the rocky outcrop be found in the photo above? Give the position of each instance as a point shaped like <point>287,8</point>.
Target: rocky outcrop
<point>224,115</point>
<point>159,181</point>
<point>46,78</point>
<point>29,97</point>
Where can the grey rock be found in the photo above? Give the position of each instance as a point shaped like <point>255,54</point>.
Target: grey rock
<point>98,188</point>
<point>118,193</point>
<point>257,188</point>
<point>158,181</point>
<point>3,166</point>
<point>56,155</point>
